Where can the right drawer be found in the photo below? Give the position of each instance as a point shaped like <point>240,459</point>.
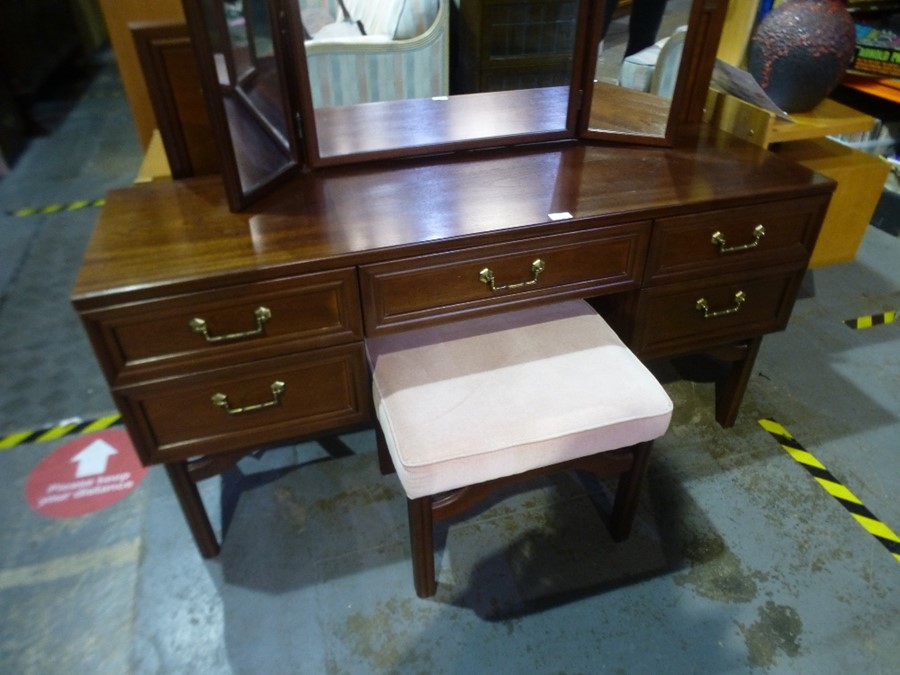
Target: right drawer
<point>728,240</point>
<point>691,316</point>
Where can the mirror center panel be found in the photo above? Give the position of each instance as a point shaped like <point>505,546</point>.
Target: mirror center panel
<point>313,83</point>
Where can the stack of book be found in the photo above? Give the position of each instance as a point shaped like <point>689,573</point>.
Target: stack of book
<point>877,38</point>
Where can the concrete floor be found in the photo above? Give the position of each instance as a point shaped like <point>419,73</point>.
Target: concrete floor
<point>740,561</point>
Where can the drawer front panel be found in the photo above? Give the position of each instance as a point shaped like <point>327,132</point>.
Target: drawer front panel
<point>407,292</point>
<point>691,316</point>
<point>727,240</point>
<point>310,311</point>
<point>321,390</point>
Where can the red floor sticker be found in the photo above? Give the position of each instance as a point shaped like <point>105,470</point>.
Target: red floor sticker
<point>85,475</point>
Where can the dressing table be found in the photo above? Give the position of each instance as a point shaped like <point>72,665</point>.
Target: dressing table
<point>226,324</point>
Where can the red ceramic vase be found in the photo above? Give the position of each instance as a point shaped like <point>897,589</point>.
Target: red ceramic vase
<point>801,50</point>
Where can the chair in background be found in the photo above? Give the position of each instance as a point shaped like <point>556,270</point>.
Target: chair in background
<point>405,52</point>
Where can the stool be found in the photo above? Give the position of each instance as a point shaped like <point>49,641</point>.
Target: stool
<point>464,408</point>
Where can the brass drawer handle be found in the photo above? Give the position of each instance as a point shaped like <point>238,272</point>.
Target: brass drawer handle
<point>718,239</point>
<point>739,299</point>
<point>486,276</point>
<point>221,401</point>
<point>262,315</point>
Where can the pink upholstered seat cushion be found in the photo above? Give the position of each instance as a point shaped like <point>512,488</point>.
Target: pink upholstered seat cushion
<point>473,400</point>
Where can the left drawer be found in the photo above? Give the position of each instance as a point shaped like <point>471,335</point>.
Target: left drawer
<point>307,311</point>
<point>247,405</point>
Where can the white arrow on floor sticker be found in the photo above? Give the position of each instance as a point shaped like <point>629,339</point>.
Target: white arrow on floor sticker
<point>93,459</point>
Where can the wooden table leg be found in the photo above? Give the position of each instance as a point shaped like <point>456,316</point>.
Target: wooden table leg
<point>730,392</point>
<point>194,511</point>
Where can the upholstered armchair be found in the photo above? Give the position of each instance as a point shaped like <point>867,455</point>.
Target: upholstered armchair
<point>403,54</point>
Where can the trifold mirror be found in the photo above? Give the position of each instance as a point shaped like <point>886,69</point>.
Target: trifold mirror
<point>304,84</point>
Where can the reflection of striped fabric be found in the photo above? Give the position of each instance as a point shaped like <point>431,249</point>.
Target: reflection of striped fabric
<point>397,19</point>
<point>330,5</point>
<point>415,18</point>
<point>376,67</point>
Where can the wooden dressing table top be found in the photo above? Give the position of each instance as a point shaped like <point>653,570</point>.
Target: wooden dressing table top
<point>181,234</point>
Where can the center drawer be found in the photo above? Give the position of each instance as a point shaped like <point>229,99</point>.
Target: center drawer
<point>249,405</point>
<point>403,293</point>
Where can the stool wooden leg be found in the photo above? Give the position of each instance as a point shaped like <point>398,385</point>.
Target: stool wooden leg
<point>628,492</point>
<point>385,463</point>
<point>421,538</point>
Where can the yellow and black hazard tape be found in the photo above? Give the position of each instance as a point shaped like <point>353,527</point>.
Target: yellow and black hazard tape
<point>56,208</point>
<point>863,322</point>
<point>70,427</point>
<point>834,487</point>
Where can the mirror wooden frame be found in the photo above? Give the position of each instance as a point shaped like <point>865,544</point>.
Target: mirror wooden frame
<point>418,127</point>
<point>246,181</point>
<point>705,23</point>
<point>330,137</point>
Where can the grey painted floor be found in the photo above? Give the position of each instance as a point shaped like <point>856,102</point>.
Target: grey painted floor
<point>740,561</point>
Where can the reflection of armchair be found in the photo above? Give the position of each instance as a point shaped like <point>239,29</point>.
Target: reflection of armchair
<point>655,69</point>
<point>404,54</point>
